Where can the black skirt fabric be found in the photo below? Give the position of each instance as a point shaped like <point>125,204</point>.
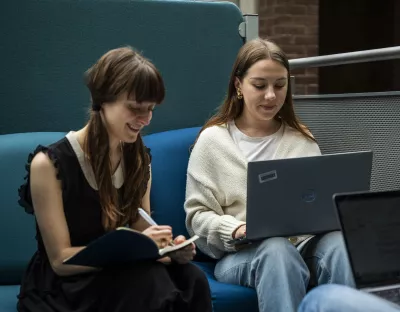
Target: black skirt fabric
<point>145,286</point>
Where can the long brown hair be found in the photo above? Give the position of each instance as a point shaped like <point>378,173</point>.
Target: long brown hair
<point>232,107</point>
<point>119,71</point>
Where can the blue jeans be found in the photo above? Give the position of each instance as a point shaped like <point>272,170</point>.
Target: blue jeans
<point>338,298</point>
<point>281,275</point>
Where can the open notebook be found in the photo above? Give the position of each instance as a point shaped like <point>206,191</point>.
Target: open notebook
<point>122,246</point>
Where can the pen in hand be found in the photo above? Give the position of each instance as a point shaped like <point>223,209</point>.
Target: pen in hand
<point>149,220</point>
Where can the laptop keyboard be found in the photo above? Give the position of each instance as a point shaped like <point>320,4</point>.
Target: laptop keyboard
<point>392,295</point>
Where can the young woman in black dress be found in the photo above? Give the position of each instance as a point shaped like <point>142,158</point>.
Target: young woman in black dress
<point>92,181</point>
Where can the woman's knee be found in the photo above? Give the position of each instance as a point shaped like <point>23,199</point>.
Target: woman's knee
<point>332,242</point>
<point>319,297</point>
<point>278,247</point>
<point>200,279</point>
<point>279,252</point>
<point>328,293</point>
<point>331,298</point>
<point>188,274</point>
<point>143,285</point>
<point>337,298</point>
<point>192,271</point>
<point>331,248</point>
<point>139,276</point>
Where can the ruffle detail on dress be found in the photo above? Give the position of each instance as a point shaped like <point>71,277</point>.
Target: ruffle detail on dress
<point>24,193</point>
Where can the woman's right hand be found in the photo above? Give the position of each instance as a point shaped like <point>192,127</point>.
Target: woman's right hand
<point>160,234</point>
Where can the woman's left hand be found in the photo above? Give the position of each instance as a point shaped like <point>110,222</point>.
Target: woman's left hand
<point>185,254</point>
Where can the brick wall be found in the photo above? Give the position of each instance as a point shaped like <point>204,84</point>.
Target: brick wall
<point>293,25</point>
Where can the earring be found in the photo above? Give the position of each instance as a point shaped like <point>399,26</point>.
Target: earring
<point>239,94</point>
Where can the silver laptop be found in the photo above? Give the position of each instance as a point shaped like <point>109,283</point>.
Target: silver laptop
<point>289,197</point>
<point>370,222</point>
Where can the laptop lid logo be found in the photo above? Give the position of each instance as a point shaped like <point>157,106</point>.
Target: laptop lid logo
<point>267,176</point>
<point>308,196</point>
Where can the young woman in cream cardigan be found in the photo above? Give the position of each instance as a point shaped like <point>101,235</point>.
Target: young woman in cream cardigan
<point>256,122</point>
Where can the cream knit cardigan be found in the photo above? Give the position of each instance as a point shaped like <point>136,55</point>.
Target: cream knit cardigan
<point>215,202</point>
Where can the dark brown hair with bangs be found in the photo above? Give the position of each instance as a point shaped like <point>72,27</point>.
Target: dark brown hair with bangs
<point>119,71</point>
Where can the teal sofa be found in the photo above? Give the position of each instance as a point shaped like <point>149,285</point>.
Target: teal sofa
<point>170,151</point>
<point>183,38</point>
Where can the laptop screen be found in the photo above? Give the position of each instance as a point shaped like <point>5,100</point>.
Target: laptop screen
<point>371,228</point>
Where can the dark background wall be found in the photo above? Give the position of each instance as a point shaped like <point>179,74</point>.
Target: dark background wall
<point>305,28</point>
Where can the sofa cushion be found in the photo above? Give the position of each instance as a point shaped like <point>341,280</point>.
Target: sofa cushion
<point>17,228</point>
<point>8,298</point>
<point>170,156</point>
<point>228,297</point>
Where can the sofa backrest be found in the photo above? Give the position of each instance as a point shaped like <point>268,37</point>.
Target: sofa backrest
<point>17,228</point>
<point>48,45</point>
<point>170,155</point>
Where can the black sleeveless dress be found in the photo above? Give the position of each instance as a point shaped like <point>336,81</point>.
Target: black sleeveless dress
<point>148,286</point>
